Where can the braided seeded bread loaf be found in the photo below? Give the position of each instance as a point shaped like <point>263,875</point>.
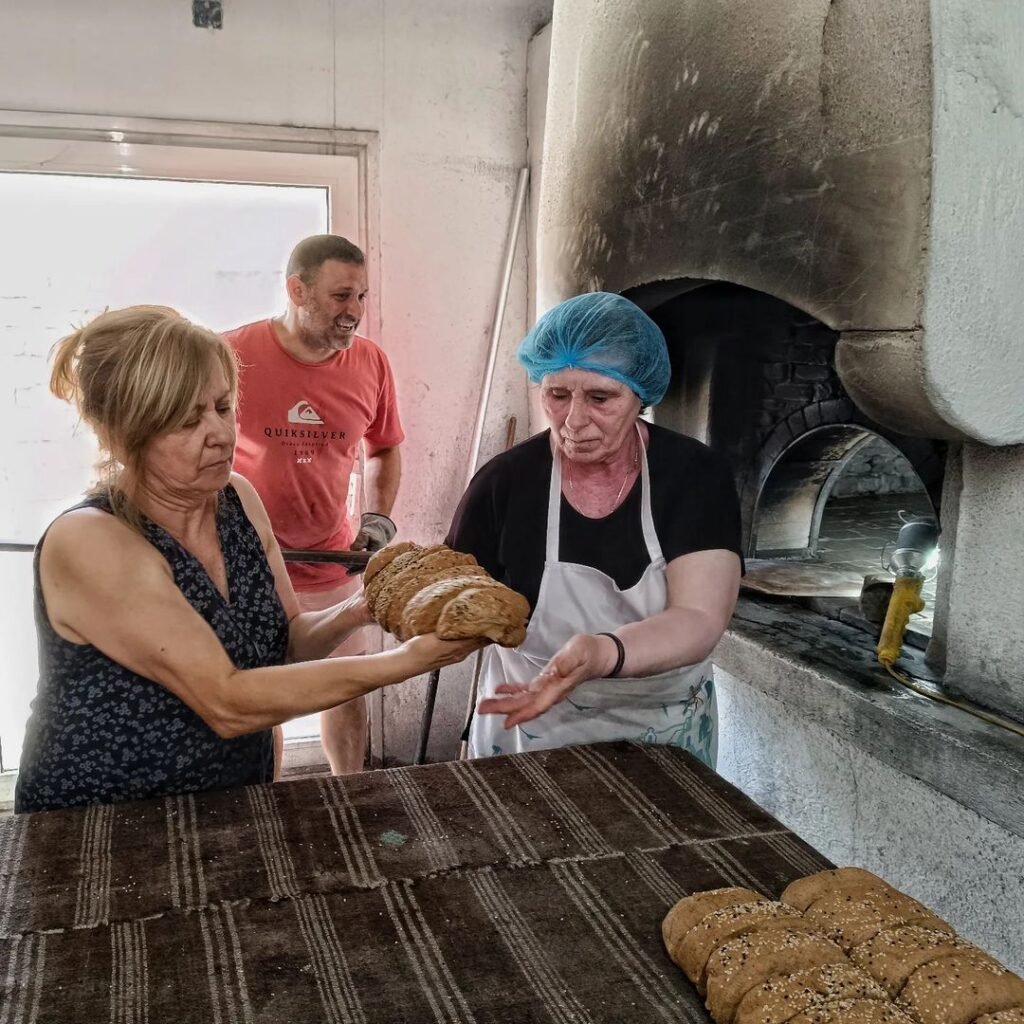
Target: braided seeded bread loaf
<point>689,912</point>
<point>413,590</point>
<point>841,947</point>
<point>727,923</point>
<point>776,1000</point>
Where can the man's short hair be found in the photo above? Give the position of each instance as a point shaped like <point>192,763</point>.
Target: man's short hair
<point>312,253</point>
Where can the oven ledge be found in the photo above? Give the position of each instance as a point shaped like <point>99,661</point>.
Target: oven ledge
<point>824,672</point>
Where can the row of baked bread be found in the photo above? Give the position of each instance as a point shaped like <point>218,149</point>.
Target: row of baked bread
<point>840,947</point>
<point>412,590</point>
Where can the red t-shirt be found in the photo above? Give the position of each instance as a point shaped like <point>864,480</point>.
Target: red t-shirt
<point>299,429</point>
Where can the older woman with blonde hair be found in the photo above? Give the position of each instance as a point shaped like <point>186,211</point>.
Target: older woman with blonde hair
<point>624,537</point>
<point>170,639</point>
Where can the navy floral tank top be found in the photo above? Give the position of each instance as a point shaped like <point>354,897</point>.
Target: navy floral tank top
<point>100,734</point>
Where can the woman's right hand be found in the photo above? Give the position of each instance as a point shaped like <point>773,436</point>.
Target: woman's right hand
<point>427,652</point>
<point>584,657</point>
<point>359,609</point>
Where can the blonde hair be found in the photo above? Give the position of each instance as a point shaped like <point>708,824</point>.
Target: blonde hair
<point>133,374</point>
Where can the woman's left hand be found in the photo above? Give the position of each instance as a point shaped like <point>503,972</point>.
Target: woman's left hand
<point>584,657</point>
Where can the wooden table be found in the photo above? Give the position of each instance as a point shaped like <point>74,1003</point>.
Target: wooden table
<point>514,889</point>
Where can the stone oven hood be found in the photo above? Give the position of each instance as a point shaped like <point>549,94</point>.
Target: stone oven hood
<point>782,145</point>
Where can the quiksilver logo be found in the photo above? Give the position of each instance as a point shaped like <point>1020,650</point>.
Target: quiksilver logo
<point>303,412</point>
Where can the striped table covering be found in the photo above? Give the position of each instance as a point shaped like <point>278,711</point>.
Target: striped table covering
<point>514,889</point>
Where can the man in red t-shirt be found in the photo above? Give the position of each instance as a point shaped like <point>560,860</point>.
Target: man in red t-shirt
<point>311,391</point>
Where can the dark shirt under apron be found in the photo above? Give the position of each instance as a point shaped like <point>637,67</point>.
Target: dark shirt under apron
<point>500,520</point>
<point>100,733</point>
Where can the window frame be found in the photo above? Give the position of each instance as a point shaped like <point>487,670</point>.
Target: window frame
<point>133,147</point>
<point>34,142</point>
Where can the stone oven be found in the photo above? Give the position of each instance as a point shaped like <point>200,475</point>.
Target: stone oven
<point>756,379</point>
<point>819,202</point>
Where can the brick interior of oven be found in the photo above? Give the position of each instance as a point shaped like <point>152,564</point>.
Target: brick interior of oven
<point>819,481</point>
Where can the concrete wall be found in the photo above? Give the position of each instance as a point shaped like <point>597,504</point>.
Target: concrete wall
<point>984,589</point>
<point>974,305</point>
<point>788,147</point>
<point>783,146</point>
<point>733,141</point>
<point>857,810</point>
<point>969,358</point>
<point>443,83</point>
<point>974,308</point>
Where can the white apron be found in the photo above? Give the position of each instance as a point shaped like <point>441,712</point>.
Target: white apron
<point>676,708</point>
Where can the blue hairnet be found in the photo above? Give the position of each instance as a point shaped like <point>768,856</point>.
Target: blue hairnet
<point>604,333</point>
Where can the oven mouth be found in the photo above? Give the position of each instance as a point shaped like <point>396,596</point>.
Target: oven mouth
<point>824,489</point>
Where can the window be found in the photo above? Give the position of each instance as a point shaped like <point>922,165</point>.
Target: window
<point>102,218</point>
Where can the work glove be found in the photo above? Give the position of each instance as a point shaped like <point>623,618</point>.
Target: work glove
<point>376,531</point>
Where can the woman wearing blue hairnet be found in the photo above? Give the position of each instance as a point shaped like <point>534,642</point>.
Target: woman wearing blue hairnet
<point>625,538</point>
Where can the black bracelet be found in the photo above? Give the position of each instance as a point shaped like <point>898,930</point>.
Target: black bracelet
<point>620,659</point>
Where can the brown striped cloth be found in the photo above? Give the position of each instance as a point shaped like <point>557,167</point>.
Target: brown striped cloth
<point>513,889</point>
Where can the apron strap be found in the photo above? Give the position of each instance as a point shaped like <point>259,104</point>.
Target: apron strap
<point>654,551</point>
<point>554,508</point>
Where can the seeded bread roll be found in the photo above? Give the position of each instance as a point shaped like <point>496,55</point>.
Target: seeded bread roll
<point>409,589</point>
<point>805,891</point>
<point>1014,1016</point>
<point>724,924</point>
<point>747,961</point>
<point>380,559</point>
<point>413,565</point>
<point>854,1011</point>
<point>497,613</point>
<point>441,557</point>
<point>372,590</point>
<point>851,919</point>
<point>414,580</point>
<point>893,955</point>
<point>421,613</point>
<point>782,997</point>
<point>691,910</point>
<point>959,989</point>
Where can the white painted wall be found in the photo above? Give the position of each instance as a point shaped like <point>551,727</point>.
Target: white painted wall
<point>444,83</point>
<point>974,305</point>
<point>538,68</point>
<point>538,63</point>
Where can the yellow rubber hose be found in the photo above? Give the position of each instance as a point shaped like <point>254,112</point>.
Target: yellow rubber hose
<point>905,601</point>
<point>912,684</point>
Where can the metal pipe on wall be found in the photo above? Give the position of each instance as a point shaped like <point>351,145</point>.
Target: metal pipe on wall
<point>478,427</point>
<point>499,316</point>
